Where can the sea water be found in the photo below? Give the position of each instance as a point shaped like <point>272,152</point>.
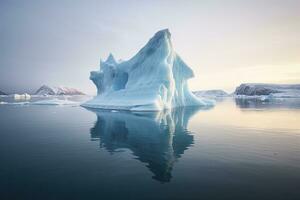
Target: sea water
<point>238,149</point>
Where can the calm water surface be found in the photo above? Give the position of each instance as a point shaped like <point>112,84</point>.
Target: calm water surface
<point>240,149</point>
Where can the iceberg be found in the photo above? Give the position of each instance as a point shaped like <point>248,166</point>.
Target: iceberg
<point>22,96</point>
<point>267,91</point>
<point>154,79</point>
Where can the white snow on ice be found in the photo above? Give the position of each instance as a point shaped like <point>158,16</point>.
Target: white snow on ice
<point>22,96</point>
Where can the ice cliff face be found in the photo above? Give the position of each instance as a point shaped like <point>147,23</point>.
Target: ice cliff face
<point>154,79</point>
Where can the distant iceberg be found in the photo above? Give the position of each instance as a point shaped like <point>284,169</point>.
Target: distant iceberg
<point>154,79</point>
<point>21,96</point>
<point>267,91</point>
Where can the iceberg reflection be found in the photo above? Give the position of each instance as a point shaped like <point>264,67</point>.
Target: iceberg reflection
<point>275,103</point>
<point>157,138</point>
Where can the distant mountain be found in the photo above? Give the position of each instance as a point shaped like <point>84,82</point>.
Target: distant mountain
<point>277,90</point>
<point>2,93</point>
<point>48,90</point>
<point>211,93</point>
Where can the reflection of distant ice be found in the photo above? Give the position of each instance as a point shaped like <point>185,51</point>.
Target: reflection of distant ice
<point>290,103</point>
<point>156,138</point>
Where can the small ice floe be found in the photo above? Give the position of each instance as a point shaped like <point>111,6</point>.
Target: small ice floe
<point>24,96</point>
<point>14,103</point>
<point>266,97</point>
<point>255,97</point>
<point>20,103</point>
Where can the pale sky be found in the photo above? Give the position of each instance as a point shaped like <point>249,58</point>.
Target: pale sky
<point>226,43</point>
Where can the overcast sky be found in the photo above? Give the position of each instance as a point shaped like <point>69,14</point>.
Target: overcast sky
<point>226,43</point>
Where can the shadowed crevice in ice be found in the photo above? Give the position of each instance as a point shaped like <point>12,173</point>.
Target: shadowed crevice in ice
<point>158,139</point>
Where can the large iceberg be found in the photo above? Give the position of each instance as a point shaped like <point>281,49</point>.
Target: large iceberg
<point>154,79</point>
